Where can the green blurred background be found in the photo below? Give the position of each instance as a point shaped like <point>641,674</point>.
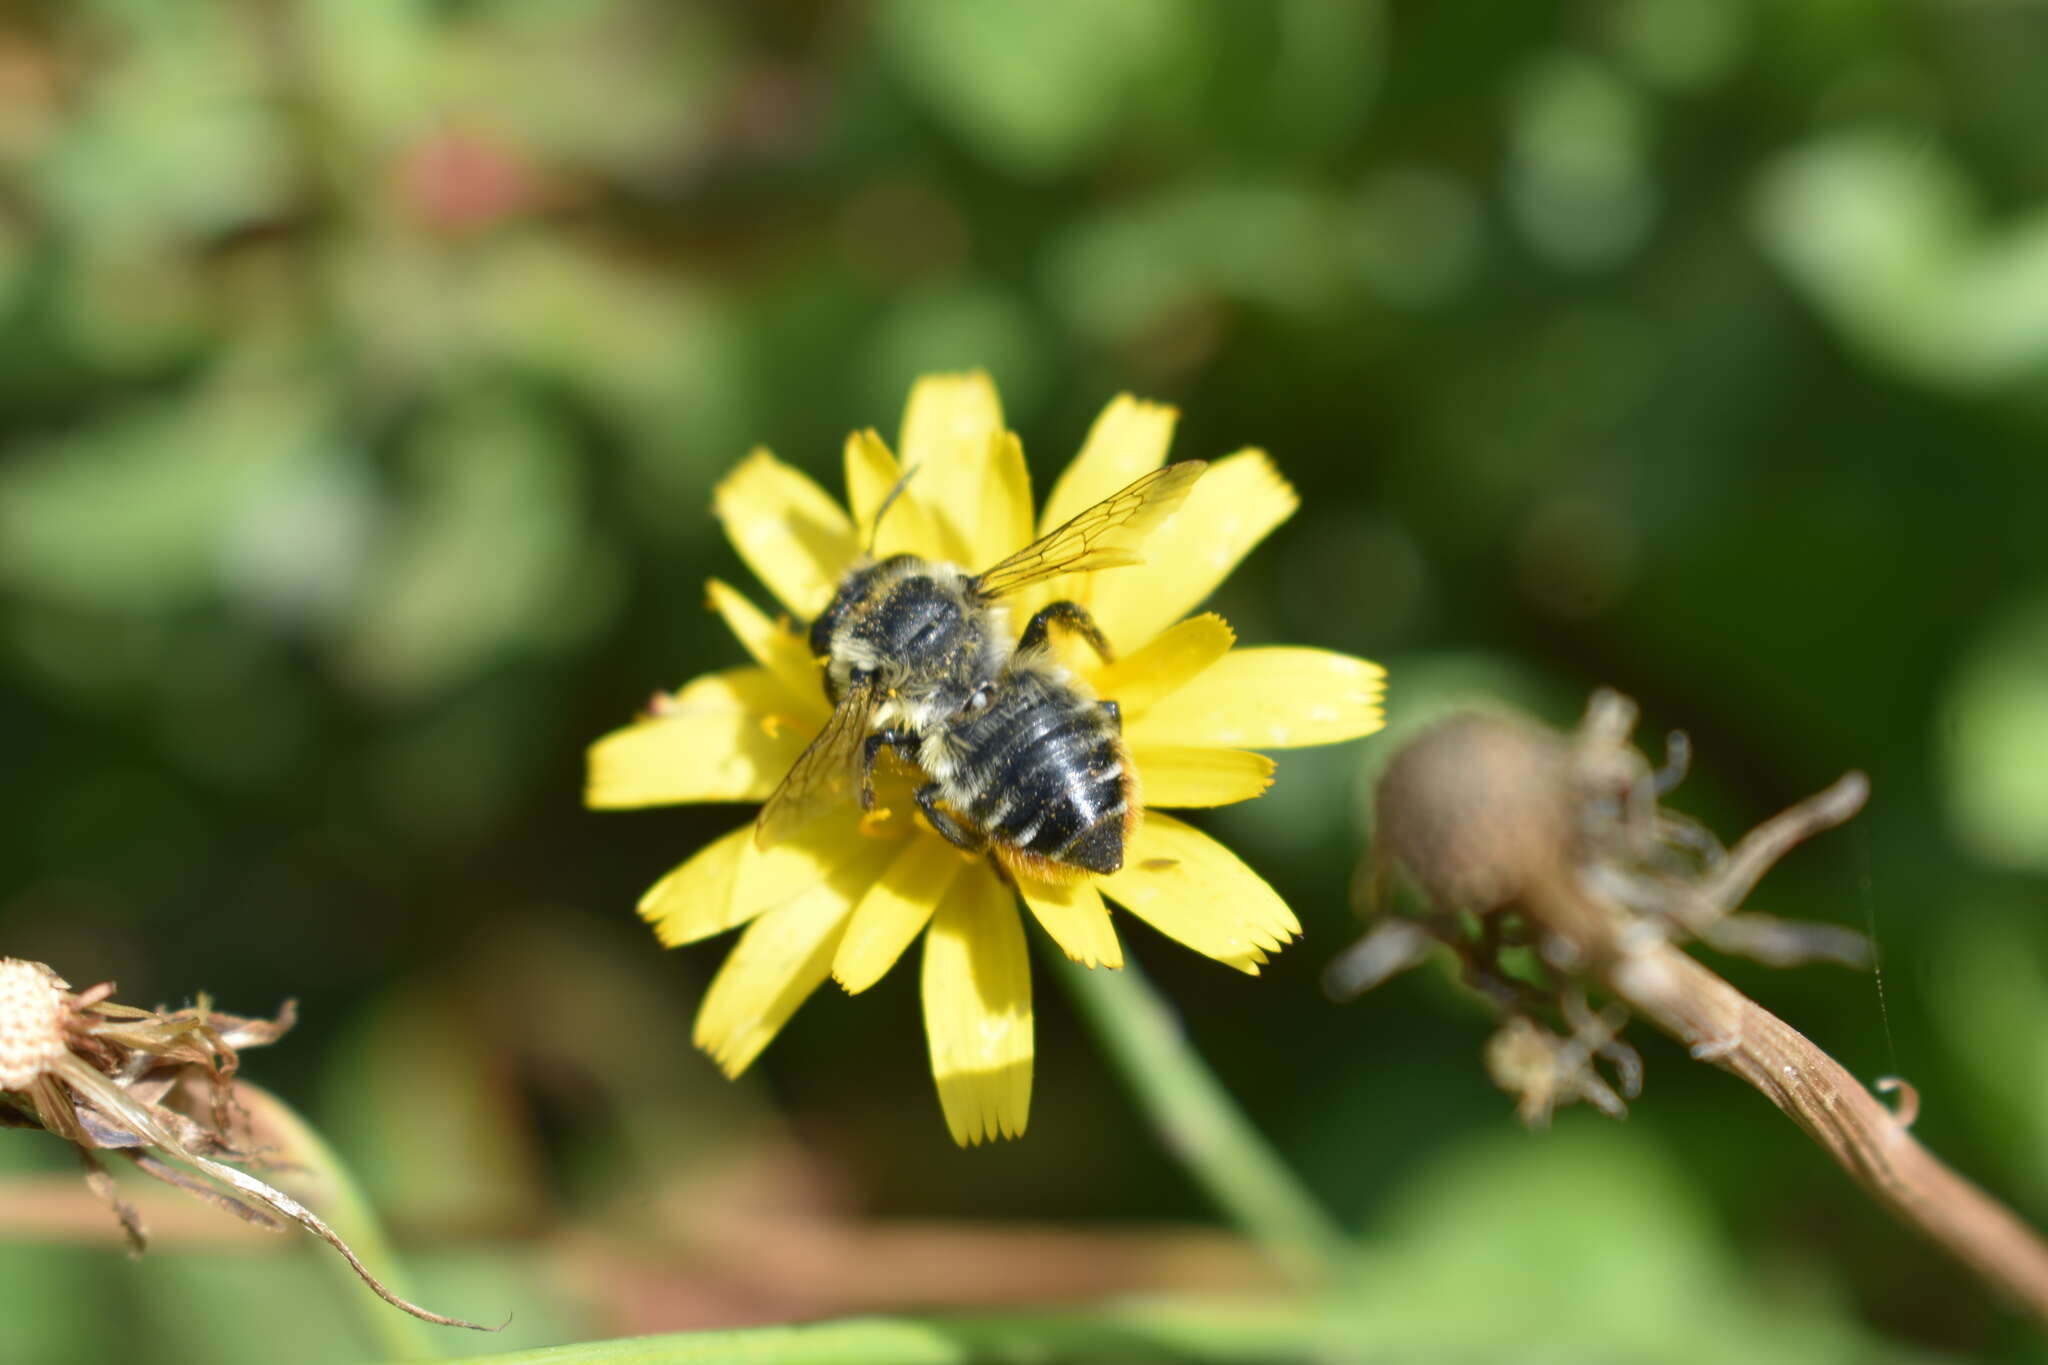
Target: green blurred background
<point>365,366</point>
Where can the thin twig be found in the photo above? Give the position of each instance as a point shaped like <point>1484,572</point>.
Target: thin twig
<point>1727,1028</point>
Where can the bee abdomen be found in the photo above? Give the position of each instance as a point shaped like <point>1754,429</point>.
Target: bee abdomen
<point>1061,794</point>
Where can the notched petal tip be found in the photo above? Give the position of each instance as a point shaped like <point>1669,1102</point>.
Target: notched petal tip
<point>1073,913</point>
<point>695,900</point>
<point>985,1107</point>
<point>977,1010</point>
<point>1195,890</point>
<point>1270,697</point>
<point>1188,776</point>
<point>1127,441</point>
<point>783,956</point>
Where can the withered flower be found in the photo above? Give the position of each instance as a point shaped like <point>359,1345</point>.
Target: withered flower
<point>1542,859</point>
<point>1549,866</point>
<point>157,1087</point>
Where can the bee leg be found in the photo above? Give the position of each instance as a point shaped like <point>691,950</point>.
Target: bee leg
<point>902,741</point>
<point>1074,617</point>
<point>949,828</point>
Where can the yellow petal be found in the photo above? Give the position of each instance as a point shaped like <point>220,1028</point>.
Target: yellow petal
<point>1005,525</point>
<point>1229,511</point>
<point>1128,441</point>
<point>1270,697</point>
<point>754,690</point>
<point>1073,913</point>
<point>790,532</point>
<point>770,877</point>
<point>695,900</point>
<point>728,736</point>
<point>1191,888</point>
<point>781,958</point>
<point>871,472</point>
<point>894,910</point>
<point>1177,775</point>
<point>775,646</point>
<point>1138,681</point>
<point>977,1010</point>
<point>952,429</point>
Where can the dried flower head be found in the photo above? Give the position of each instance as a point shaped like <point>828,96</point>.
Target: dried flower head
<point>155,1086</point>
<point>851,893</point>
<point>31,1022</point>
<point>1536,852</point>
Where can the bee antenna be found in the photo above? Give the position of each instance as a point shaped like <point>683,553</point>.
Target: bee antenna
<point>888,501</point>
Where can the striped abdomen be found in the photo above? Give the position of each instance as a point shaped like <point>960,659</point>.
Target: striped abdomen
<point>1042,772</point>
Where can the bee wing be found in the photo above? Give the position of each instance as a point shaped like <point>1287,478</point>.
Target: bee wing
<point>1103,537</point>
<point>822,776</point>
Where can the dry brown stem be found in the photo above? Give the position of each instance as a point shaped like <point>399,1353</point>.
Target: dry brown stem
<point>1560,844</point>
<point>1741,1037</point>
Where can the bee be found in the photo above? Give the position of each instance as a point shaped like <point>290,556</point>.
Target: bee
<point>1019,761</point>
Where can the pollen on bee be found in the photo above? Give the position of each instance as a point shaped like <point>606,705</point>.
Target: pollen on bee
<point>872,822</point>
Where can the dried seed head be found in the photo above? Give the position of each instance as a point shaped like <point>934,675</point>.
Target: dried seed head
<point>1520,838</point>
<point>1477,807</point>
<point>31,1022</point>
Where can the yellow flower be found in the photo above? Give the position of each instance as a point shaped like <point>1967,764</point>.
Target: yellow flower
<point>847,896</point>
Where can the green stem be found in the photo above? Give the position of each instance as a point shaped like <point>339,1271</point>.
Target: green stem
<point>1197,1120</point>
<point>1163,1330</point>
<point>347,1210</point>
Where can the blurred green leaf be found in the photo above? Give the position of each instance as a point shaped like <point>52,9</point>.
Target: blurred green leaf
<point>372,63</point>
<point>1989,989</point>
<point>1033,84</point>
<point>1416,235</point>
<point>485,552</point>
<point>214,1309</point>
<point>133,512</point>
<point>958,327</point>
<point>1886,238</point>
<point>1131,266</point>
<point>431,1123</point>
<point>1579,178</point>
<point>1580,1244</point>
<point>55,1305</point>
<point>176,137</point>
<point>1681,45</point>
<point>1993,733</point>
